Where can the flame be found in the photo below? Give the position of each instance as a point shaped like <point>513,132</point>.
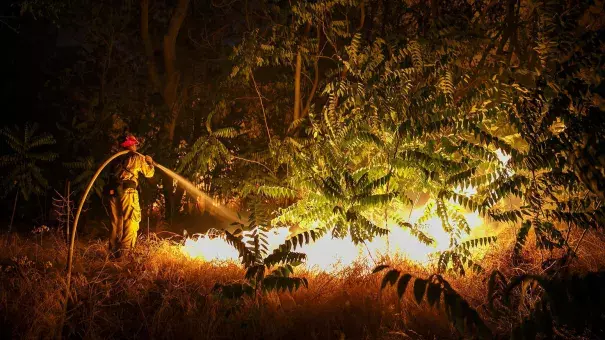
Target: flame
<point>209,247</point>
<point>331,254</point>
<point>328,253</point>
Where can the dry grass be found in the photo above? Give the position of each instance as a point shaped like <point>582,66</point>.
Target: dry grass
<point>163,294</point>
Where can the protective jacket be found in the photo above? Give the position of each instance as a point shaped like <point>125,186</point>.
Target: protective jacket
<point>125,208</point>
<point>132,166</point>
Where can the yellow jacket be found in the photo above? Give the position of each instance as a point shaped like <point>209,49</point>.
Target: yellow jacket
<point>134,165</point>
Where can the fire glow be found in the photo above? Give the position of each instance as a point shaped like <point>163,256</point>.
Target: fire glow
<point>331,254</point>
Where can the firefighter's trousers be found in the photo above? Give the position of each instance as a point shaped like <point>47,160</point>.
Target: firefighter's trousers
<point>126,216</point>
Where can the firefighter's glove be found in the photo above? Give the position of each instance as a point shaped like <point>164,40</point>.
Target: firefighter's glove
<point>149,160</point>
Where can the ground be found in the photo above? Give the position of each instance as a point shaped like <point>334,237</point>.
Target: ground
<point>161,293</point>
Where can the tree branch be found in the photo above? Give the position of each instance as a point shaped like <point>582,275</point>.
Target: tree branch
<point>262,106</point>
<point>297,87</point>
<point>172,76</point>
<point>297,105</point>
<point>316,80</point>
<point>253,161</point>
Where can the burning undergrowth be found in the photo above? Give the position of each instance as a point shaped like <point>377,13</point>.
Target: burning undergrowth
<point>163,293</point>
<point>326,252</point>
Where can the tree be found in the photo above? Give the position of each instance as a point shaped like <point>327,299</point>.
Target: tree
<point>25,162</point>
<point>435,98</point>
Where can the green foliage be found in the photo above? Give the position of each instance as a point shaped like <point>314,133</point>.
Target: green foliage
<point>341,204</point>
<point>460,256</point>
<point>302,238</point>
<point>522,236</point>
<point>265,272</point>
<point>437,292</point>
<point>277,192</point>
<point>28,154</point>
<point>205,154</point>
<point>85,169</point>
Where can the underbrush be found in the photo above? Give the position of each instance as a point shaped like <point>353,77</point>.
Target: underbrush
<point>160,293</point>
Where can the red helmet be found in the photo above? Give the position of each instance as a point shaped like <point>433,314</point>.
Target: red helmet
<point>129,141</point>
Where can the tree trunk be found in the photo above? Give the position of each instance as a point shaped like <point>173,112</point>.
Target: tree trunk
<point>434,11</point>
<point>10,227</point>
<point>297,104</point>
<point>172,75</point>
<point>297,87</point>
<point>316,79</point>
<point>170,87</point>
<point>151,67</point>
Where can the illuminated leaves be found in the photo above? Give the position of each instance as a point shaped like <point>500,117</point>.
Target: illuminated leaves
<point>459,257</point>
<point>277,192</point>
<point>415,231</point>
<point>255,258</point>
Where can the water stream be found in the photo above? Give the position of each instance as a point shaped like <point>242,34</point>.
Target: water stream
<point>191,189</point>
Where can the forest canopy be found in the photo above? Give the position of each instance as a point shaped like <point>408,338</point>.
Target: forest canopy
<point>331,111</point>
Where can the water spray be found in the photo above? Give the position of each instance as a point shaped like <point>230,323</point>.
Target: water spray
<point>223,211</point>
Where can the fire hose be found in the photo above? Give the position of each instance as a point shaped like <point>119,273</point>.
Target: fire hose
<point>70,254</point>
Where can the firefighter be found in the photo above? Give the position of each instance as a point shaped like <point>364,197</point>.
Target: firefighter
<point>126,212</point>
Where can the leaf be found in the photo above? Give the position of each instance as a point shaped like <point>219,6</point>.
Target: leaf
<point>227,132</point>
<point>433,293</point>
<point>522,237</point>
<point>419,289</point>
<point>380,268</point>
<point>378,183</point>
<point>277,192</point>
<point>376,200</point>
<point>403,284</point>
<point>390,278</point>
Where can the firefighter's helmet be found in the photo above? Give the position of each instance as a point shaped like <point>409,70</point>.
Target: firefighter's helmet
<point>129,141</point>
